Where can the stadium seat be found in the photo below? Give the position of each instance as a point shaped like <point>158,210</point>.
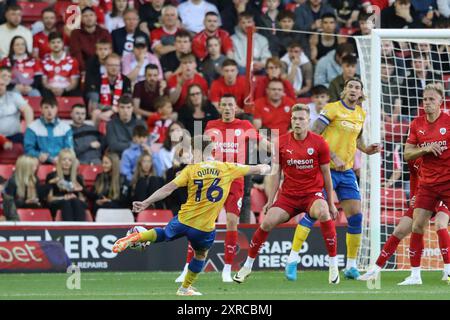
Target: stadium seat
<point>393,198</point>
<point>347,31</point>
<point>10,156</point>
<point>35,104</point>
<point>60,8</point>
<point>44,170</point>
<point>34,215</point>
<point>305,100</point>
<point>114,215</point>
<point>155,216</point>
<point>31,11</point>
<point>88,216</point>
<point>65,105</point>
<point>6,170</point>
<point>102,127</point>
<point>89,173</point>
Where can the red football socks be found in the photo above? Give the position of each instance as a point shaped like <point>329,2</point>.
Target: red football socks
<point>415,249</point>
<point>444,243</point>
<point>258,239</point>
<point>230,246</point>
<point>388,250</point>
<point>329,235</point>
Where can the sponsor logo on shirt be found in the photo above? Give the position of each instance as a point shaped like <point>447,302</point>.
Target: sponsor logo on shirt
<point>301,164</point>
<point>441,143</point>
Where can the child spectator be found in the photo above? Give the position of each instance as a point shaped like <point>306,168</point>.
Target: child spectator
<point>159,122</point>
<point>133,152</point>
<point>348,72</point>
<point>144,181</point>
<point>23,189</point>
<point>110,187</point>
<point>66,188</point>
<point>320,97</point>
<point>26,70</point>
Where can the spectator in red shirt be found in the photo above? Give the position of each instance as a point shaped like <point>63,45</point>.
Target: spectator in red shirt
<point>5,144</point>
<point>274,110</point>
<point>41,47</point>
<point>26,70</point>
<point>147,91</point>
<point>163,38</point>
<point>229,82</point>
<point>82,41</point>
<point>159,122</point>
<point>178,83</point>
<point>61,71</point>
<point>211,23</point>
<point>274,71</point>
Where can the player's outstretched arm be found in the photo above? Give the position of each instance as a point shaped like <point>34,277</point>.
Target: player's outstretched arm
<point>412,152</point>
<point>158,195</point>
<point>262,169</point>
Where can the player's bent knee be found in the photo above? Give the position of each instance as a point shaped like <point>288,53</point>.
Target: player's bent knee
<point>201,254</point>
<point>232,221</point>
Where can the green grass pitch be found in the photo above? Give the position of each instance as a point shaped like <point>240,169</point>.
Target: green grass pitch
<point>263,285</point>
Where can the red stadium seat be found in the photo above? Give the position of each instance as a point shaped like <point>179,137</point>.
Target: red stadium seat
<point>155,216</point>
<point>34,215</point>
<point>10,156</point>
<point>393,198</point>
<point>65,105</point>
<point>6,170</point>
<point>88,216</point>
<point>347,31</point>
<point>32,11</point>
<point>102,127</point>
<point>305,100</point>
<point>44,170</point>
<point>35,104</point>
<point>89,173</point>
<point>60,8</point>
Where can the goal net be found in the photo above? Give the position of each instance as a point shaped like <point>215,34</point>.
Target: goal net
<point>395,67</point>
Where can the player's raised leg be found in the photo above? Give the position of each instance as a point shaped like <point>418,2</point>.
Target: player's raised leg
<point>402,230</point>
<point>151,235</point>
<point>274,217</point>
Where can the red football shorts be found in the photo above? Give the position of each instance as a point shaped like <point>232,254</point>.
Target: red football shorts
<point>441,207</point>
<point>295,205</point>
<point>429,197</point>
<point>233,203</point>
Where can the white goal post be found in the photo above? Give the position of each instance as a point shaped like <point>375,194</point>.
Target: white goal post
<point>370,56</point>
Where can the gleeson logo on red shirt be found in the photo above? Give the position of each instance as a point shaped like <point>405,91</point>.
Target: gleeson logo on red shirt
<point>301,164</point>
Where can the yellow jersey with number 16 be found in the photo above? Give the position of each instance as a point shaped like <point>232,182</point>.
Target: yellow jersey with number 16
<point>344,125</point>
<point>208,184</point>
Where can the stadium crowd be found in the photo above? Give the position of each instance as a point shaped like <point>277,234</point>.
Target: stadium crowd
<point>143,71</point>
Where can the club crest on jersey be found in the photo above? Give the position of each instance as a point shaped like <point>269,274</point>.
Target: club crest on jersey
<point>287,109</point>
<point>237,132</point>
<point>443,131</point>
<point>310,151</point>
